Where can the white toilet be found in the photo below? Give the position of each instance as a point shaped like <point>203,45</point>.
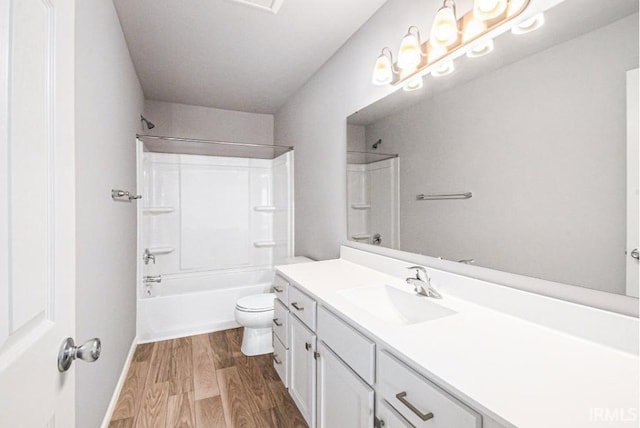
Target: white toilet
<point>255,313</point>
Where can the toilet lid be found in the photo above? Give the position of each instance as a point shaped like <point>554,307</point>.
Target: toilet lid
<point>256,302</point>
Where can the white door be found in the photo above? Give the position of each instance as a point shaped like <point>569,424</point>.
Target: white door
<point>344,400</point>
<point>302,375</point>
<point>37,211</point>
<point>633,183</point>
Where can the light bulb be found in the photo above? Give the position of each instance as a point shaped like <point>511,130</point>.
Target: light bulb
<point>472,29</point>
<point>383,70</point>
<point>443,68</point>
<point>444,31</point>
<point>529,25</point>
<point>410,53</point>
<point>436,52</point>
<point>488,9</point>
<point>480,49</point>
<point>515,6</point>
<point>413,84</point>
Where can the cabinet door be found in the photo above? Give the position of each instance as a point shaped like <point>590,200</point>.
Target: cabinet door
<point>344,400</point>
<point>302,374</point>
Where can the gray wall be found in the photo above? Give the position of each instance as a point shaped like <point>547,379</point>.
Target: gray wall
<point>542,144</point>
<point>109,101</point>
<point>356,138</point>
<point>181,120</point>
<point>314,121</point>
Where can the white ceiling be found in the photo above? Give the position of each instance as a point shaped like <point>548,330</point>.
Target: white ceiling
<point>218,53</point>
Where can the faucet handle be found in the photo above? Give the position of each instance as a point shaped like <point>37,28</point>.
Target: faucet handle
<point>418,270</point>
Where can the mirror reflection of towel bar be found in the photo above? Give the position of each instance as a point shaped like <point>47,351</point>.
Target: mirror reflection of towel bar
<point>437,196</point>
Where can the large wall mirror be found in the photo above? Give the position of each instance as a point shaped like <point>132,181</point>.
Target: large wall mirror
<point>523,161</point>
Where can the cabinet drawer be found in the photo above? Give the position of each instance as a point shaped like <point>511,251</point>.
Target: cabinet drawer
<point>281,289</point>
<point>281,360</point>
<point>281,323</point>
<point>303,306</point>
<point>419,401</point>
<point>389,416</point>
<point>350,345</point>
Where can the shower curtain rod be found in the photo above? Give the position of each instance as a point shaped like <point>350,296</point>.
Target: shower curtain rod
<point>226,143</point>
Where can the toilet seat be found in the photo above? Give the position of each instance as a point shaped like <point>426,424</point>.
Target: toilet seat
<point>256,303</point>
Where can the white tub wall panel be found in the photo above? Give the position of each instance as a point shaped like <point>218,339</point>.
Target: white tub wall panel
<point>161,189</point>
<point>283,201</point>
<point>357,193</point>
<point>261,191</point>
<point>214,215</point>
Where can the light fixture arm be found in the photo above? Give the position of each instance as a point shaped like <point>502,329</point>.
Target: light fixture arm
<point>417,34</point>
<point>388,51</point>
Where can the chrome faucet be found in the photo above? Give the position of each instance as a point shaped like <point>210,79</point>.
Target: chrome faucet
<point>148,256</point>
<point>421,287</point>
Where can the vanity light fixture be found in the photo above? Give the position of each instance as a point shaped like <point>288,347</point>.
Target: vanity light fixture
<point>488,9</point>
<point>384,69</point>
<point>481,49</point>
<point>451,37</point>
<point>410,53</point>
<point>444,31</point>
<point>529,25</point>
<point>413,84</point>
<point>443,68</point>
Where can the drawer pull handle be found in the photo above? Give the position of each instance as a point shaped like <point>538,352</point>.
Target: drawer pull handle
<point>276,359</point>
<point>401,397</point>
<point>277,322</point>
<point>278,289</point>
<point>297,306</point>
<point>307,346</point>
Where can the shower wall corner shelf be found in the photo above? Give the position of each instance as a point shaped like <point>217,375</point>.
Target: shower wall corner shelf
<point>265,208</point>
<point>361,206</point>
<point>264,244</point>
<point>161,250</point>
<point>158,210</point>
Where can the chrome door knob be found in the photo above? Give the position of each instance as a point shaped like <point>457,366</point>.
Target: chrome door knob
<point>635,254</point>
<point>88,351</point>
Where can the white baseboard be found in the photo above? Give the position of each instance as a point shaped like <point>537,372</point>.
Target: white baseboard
<point>120,384</point>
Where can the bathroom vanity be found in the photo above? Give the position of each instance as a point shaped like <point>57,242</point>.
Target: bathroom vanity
<point>356,347</point>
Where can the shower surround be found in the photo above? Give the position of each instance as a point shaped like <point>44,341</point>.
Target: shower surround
<point>216,226</point>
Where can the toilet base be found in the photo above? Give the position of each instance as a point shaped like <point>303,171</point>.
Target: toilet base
<point>257,341</point>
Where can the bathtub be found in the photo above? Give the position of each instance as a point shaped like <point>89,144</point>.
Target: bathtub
<point>185,305</point>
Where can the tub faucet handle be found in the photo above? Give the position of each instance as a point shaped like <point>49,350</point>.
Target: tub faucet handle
<point>148,256</point>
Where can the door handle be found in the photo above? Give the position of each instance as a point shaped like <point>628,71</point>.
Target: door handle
<point>297,306</point>
<point>277,322</point>
<point>635,254</point>
<point>307,346</point>
<point>89,351</point>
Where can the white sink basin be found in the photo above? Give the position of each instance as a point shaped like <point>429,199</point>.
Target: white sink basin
<point>396,306</point>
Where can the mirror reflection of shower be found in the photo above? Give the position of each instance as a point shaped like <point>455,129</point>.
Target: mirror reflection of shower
<point>150,125</point>
<point>373,197</point>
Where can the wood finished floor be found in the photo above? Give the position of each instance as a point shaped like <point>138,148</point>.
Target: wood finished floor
<point>203,381</point>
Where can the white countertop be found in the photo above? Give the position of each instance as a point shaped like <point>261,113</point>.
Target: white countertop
<point>515,371</point>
